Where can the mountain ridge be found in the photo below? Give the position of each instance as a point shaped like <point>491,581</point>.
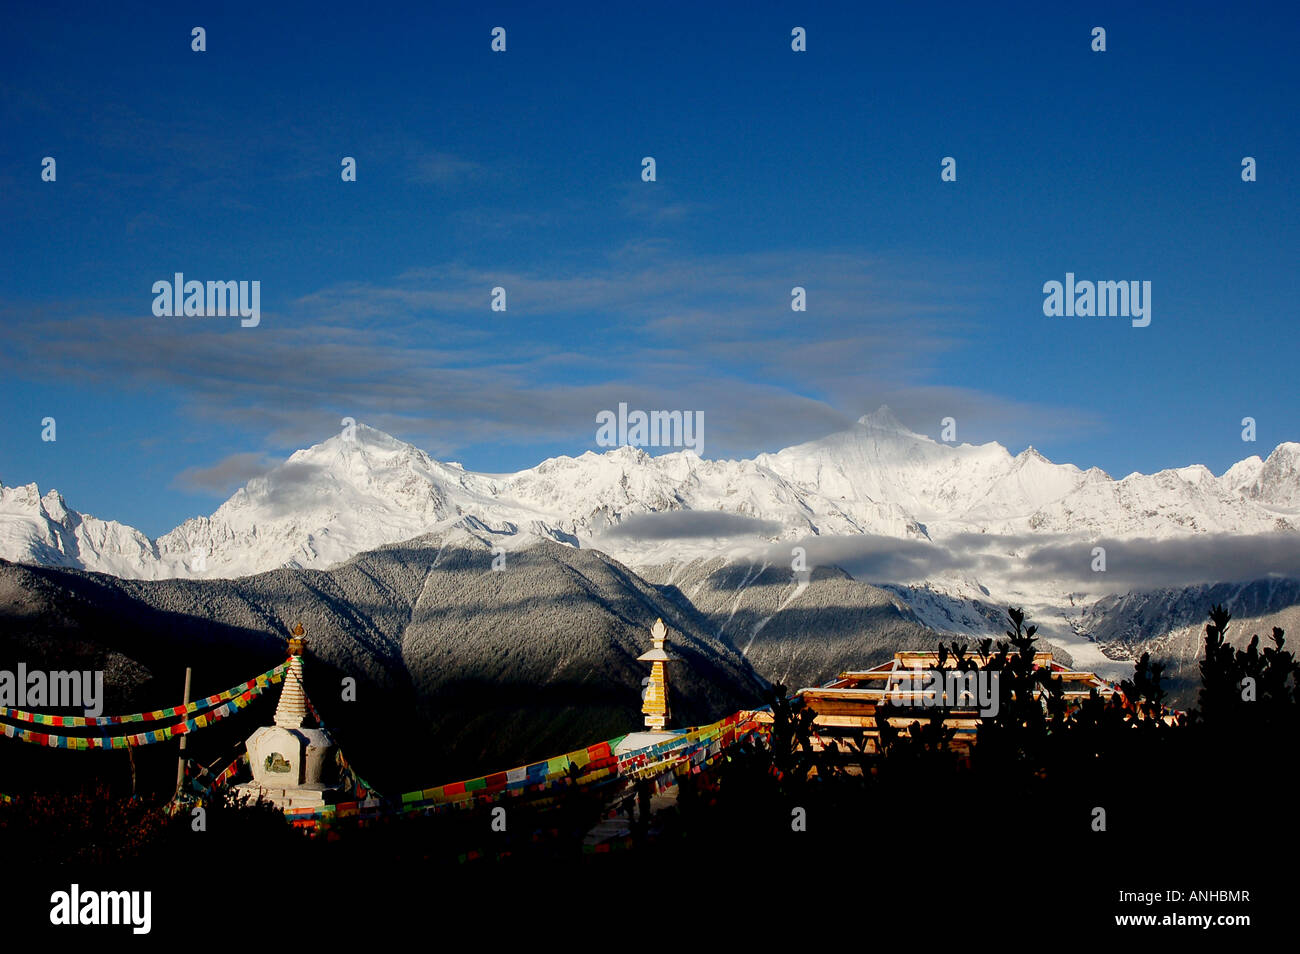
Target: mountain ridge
<point>329,502</point>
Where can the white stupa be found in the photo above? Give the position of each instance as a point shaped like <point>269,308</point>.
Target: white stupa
<point>293,766</point>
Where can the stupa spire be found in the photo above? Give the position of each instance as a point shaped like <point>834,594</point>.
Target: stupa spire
<point>655,702</point>
<point>292,709</point>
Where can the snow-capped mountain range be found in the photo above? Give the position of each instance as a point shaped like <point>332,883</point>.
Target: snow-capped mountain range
<point>970,520</point>
<point>354,492</point>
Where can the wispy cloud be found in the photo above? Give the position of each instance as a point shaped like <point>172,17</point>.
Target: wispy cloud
<point>443,169</point>
<point>226,474</point>
<point>422,354</point>
<point>655,203</point>
<point>1130,564</point>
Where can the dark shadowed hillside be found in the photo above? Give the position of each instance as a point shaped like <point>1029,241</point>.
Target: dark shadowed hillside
<point>460,669</point>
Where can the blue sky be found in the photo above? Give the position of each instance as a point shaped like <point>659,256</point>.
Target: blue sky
<point>522,169</point>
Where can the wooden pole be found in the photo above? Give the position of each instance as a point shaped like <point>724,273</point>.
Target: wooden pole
<point>180,762</point>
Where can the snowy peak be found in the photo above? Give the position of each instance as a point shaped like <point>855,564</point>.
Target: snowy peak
<point>883,419</point>
<point>44,530</point>
<point>361,456</point>
<point>355,491</point>
<point>29,501</point>
<point>1241,475</point>
<point>1279,478</point>
<point>1274,482</point>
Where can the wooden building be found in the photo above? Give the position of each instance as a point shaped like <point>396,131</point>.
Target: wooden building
<point>846,705</point>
